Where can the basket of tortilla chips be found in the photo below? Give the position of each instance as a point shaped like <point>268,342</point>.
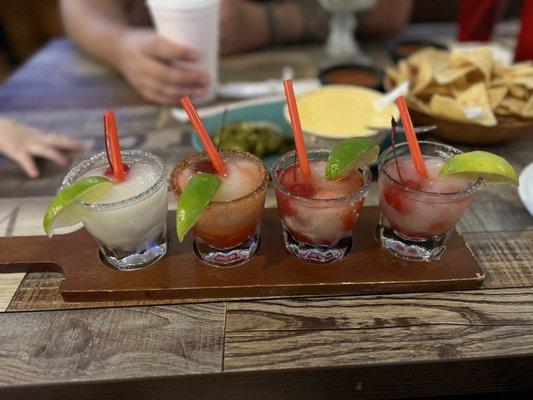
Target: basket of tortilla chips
<point>470,96</point>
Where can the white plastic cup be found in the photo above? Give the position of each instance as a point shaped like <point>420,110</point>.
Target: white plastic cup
<point>195,24</point>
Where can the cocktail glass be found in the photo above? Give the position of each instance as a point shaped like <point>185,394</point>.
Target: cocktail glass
<point>418,217</point>
<point>318,216</point>
<point>228,230</point>
<point>129,220</point>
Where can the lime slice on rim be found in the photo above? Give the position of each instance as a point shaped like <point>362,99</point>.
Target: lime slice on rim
<point>62,210</point>
<point>350,154</point>
<point>480,164</point>
<point>198,193</point>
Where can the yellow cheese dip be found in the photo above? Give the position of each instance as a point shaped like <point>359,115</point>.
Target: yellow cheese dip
<point>341,111</point>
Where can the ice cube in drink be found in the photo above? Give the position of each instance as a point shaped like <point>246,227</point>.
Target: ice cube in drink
<point>129,219</point>
<point>318,214</point>
<point>227,232</point>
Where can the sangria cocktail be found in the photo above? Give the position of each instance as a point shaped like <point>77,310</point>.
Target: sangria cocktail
<point>419,214</point>
<point>226,232</point>
<point>126,218</point>
<point>318,214</point>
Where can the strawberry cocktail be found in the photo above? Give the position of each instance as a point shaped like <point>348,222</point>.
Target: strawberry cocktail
<point>419,214</point>
<point>226,231</point>
<point>318,214</point>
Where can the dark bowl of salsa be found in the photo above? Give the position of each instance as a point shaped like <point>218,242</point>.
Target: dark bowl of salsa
<point>352,74</point>
<point>404,48</point>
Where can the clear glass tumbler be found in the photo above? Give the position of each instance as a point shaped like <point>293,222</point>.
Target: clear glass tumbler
<point>227,232</point>
<point>128,221</point>
<point>318,230</point>
<point>418,216</point>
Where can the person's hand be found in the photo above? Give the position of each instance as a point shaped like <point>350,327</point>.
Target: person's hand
<point>243,26</point>
<point>149,63</point>
<point>21,143</point>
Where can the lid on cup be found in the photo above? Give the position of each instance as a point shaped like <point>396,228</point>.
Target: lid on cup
<point>182,4</point>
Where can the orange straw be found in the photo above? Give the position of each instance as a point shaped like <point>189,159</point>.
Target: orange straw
<point>203,135</point>
<point>113,145</point>
<point>412,141</point>
<point>296,128</point>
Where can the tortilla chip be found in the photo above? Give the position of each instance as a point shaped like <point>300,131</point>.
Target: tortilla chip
<point>450,108</point>
<point>518,91</point>
<point>436,57</point>
<point>480,57</point>
<point>403,72</point>
<point>527,111</point>
<point>514,105</point>
<point>392,74</point>
<point>451,74</point>
<point>423,78</point>
<point>500,110</point>
<point>419,104</point>
<point>496,95</point>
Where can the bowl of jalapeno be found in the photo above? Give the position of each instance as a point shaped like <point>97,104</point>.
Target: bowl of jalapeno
<point>258,127</point>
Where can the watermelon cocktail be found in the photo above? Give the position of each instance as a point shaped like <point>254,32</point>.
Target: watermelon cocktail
<point>226,231</point>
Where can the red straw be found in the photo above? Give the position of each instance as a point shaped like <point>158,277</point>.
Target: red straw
<point>296,128</point>
<point>113,145</point>
<point>203,135</point>
<point>414,148</point>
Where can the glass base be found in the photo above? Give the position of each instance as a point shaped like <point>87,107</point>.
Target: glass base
<point>231,257</point>
<point>316,253</point>
<point>134,260</point>
<point>429,249</point>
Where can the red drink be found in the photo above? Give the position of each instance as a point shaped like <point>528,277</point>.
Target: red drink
<point>227,232</point>
<point>318,215</point>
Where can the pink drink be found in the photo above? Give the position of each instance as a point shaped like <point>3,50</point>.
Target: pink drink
<point>318,215</point>
<point>319,225</point>
<point>418,215</point>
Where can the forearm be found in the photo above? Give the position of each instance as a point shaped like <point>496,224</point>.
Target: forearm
<point>97,26</point>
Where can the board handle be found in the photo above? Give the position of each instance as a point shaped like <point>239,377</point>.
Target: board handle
<point>28,250</point>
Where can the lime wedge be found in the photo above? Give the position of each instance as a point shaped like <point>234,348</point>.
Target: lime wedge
<point>198,193</point>
<point>350,154</point>
<point>62,210</point>
<point>480,164</point>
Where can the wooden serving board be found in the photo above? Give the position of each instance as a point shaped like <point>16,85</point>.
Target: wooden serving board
<point>273,272</point>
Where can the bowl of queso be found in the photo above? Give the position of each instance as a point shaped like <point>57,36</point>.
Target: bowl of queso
<point>333,113</point>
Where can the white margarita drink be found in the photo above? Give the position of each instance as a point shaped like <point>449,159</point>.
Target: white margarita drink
<point>227,231</point>
<point>128,220</point>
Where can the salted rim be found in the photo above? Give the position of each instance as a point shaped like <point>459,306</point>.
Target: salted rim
<point>360,193</point>
<point>449,149</point>
<point>174,186</point>
<point>133,155</point>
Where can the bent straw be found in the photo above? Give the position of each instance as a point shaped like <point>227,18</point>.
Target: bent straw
<point>113,145</point>
<point>203,135</point>
<point>301,152</point>
<point>412,141</point>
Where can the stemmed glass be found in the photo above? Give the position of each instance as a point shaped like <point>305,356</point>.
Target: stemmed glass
<point>341,44</point>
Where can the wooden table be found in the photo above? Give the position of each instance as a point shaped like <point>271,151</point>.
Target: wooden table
<point>381,346</point>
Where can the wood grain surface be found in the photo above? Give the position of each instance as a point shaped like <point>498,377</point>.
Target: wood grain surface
<point>371,347</point>
<point>110,344</point>
<point>371,329</point>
